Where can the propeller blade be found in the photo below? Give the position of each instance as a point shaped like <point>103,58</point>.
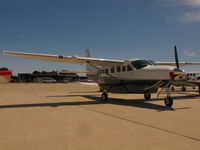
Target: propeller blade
<point>176,57</point>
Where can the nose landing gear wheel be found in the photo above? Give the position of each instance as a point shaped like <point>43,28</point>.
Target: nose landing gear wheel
<point>169,101</point>
<point>104,96</point>
<point>147,96</point>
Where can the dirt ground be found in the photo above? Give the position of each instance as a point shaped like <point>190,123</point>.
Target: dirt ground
<point>72,117</point>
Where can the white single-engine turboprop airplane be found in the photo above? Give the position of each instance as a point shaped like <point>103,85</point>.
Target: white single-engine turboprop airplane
<point>123,76</point>
<point>188,79</point>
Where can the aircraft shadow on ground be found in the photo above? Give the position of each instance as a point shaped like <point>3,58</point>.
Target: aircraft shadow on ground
<point>140,103</point>
<point>97,97</point>
<point>117,101</point>
<point>75,95</point>
<point>86,92</point>
<point>50,104</point>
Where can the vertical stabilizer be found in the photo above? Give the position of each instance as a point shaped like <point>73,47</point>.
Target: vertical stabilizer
<point>92,72</point>
<point>88,67</point>
<point>87,53</point>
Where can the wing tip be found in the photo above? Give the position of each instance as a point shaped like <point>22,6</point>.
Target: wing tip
<point>3,53</point>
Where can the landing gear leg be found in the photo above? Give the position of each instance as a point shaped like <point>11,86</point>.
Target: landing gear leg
<point>147,96</point>
<point>104,96</point>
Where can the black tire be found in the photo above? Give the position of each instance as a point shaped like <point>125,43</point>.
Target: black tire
<point>104,96</point>
<point>168,101</point>
<point>147,96</point>
<point>199,89</point>
<point>183,89</point>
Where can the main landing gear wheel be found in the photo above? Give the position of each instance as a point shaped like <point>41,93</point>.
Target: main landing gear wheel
<point>183,89</point>
<point>169,101</point>
<point>104,96</point>
<point>199,89</point>
<point>172,88</point>
<point>147,96</point>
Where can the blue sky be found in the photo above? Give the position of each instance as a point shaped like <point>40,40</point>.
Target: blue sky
<point>115,29</point>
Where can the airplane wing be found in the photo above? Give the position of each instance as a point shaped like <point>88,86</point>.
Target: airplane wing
<point>83,60</point>
<point>180,63</point>
<point>68,59</point>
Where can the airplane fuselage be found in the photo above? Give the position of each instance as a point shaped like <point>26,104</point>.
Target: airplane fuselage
<point>129,79</point>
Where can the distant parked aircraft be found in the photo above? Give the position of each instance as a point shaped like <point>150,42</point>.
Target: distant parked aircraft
<point>5,75</point>
<point>189,79</point>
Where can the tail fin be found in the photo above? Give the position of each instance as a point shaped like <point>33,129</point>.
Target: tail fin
<point>87,53</point>
<point>88,67</point>
<point>91,71</point>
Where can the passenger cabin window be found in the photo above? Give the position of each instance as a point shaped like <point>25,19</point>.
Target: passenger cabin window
<point>112,70</point>
<point>123,68</point>
<point>106,71</point>
<point>129,68</point>
<point>118,69</point>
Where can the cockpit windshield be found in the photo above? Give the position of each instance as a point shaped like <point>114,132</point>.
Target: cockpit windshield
<point>153,62</point>
<point>138,64</point>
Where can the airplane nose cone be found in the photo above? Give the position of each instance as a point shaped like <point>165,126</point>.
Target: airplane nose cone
<point>176,72</point>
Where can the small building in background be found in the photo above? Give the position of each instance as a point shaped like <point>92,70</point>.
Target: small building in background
<point>5,75</point>
<point>47,77</point>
